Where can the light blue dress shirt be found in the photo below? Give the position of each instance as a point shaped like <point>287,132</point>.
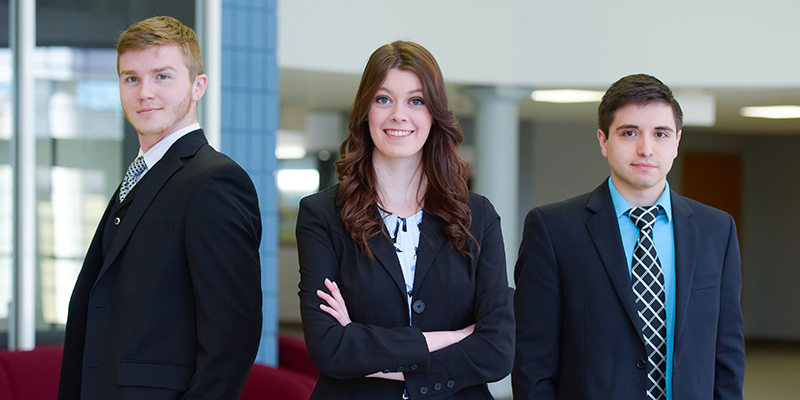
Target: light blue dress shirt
<point>664,238</point>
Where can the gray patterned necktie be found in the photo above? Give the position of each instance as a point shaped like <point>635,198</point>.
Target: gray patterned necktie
<point>132,176</point>
<point>648,286</point>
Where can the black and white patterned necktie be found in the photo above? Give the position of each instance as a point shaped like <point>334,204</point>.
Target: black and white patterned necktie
<point>132,176</point>
<point>648,287</point>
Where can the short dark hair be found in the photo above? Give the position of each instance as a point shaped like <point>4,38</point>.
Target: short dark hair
<point>640,89</point>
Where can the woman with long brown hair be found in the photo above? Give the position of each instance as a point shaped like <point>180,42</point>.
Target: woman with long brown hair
<point>403,289</point>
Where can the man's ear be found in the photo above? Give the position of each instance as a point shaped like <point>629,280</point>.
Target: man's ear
<point>199,86</point>
<point>601,137</point>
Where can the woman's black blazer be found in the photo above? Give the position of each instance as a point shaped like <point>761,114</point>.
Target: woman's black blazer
<point>451,292</point>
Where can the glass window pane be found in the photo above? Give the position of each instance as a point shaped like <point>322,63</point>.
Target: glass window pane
<point>6,188</point>
<point>5,245</point>
<point>79,130</point>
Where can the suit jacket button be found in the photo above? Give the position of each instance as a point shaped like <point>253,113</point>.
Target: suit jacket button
<point>437,386</point>
<point>418,306</point>
<point>400,369</point>
<point>117,221</point>
<point>640,363</point>
<point>414,367</point>
<point>423,390</point>
<point>451,383</point>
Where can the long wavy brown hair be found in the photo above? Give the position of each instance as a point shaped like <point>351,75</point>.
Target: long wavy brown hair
<point>443,169</point>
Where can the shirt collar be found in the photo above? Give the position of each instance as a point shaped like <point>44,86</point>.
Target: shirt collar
<point>621,206</point>
<point>152,156</point>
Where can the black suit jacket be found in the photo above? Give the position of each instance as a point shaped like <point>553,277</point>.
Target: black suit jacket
<point>578,331</point>
<point>451,292</point>
<point>173,310</point>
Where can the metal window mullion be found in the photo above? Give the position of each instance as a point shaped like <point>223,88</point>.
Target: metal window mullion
<point>208,24</point>
<point>22,329</point>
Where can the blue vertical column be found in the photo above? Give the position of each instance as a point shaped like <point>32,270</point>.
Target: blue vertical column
<point>249,122</point>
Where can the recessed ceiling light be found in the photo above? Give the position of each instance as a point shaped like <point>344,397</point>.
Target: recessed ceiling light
<point>771,112</point>
<point>289,152</point>
<point>298,180</point>
<point>567,96</point>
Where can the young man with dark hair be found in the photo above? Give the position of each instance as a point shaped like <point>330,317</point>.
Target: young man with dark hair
<point>168,301</point>
<point>630,291</point>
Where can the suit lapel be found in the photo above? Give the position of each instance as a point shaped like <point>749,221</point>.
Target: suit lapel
<point>604,230</point>
<point>384,251</point>
<point>686,244</point>
<point>431,238</point>
<point>158,176</point>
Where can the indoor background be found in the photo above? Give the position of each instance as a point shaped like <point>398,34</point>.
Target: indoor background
<point>289,70</point>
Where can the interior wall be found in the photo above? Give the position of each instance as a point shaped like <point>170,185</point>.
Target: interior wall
<point>702,43</point>
<point>555,44</point>
<point>289,278</point>
<point>771,238</point>
<point>566,162</point>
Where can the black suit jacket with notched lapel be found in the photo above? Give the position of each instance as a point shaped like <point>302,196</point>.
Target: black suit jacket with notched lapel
<point>173,310</point>
<point>451,291</point>
<point>578,330</point>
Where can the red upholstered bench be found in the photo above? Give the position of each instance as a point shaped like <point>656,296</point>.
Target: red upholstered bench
<point>269,383</point>
<point>292,354</point>
<point>30,374</point>
<point>5,385</point>
<point>33,375</point>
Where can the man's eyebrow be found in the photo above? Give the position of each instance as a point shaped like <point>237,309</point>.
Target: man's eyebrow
<point>154,70</point>
<point>658,128</point>
<point>162,69</point>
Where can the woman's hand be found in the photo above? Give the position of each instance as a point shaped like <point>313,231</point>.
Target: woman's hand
<point>336,306</point>
<point>392,376</point>
<point>441,339</point>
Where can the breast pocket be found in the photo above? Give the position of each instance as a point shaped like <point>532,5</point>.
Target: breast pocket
<point>155,225</point>
<point>706,282</point>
